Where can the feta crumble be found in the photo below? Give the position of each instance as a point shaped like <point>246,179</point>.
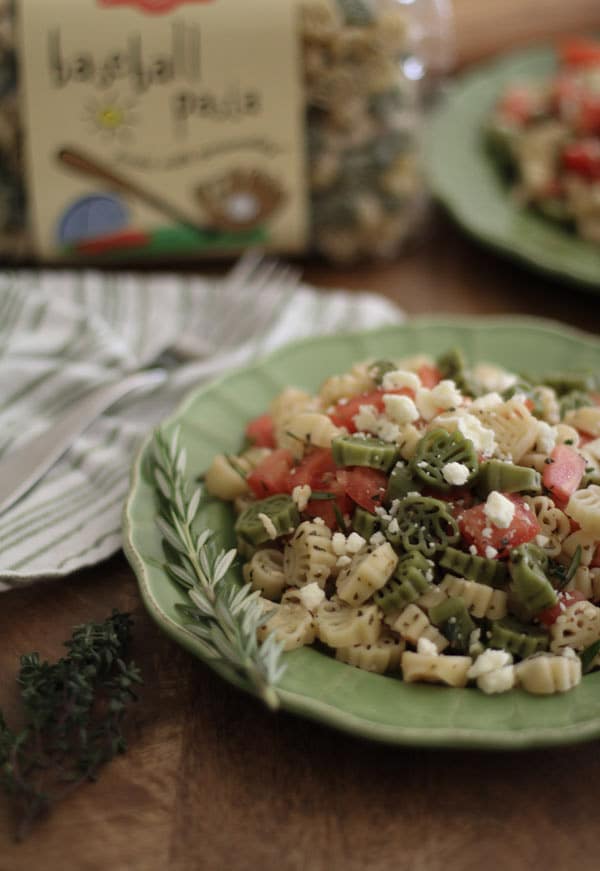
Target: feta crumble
<point>546,437</point>
<point>338,543</point>
<point>269,526</point>
<point>397,379</point>
<point>301,496</point>
<point>311,596</point>
<point>456,474</point>
<point>489,660</point>
<point>499,681</point>
<point>490,552</point>
<point>499,510</point>
<point>400,409</point>
<point>355,543</point>
<point>426,647</point>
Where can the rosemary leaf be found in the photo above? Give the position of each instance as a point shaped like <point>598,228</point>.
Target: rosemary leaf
<point>224,617</point>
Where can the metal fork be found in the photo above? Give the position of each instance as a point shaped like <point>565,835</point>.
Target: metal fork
<point>243,304</point>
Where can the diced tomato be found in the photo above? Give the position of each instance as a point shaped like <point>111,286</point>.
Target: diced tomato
<point>343,413</point>
<point>588,120</point>
<point>583,158</point>
<point>578,51</point>
<point>260,432</point>
<point>330,509</point>
<point>523,528</point>
<point>518,104</point>
<point>562,476</point>
<point>271,475</point>
<point>366,487</point>
<point>317,469</point>
<point>549,615</point>
<point>429,375</point>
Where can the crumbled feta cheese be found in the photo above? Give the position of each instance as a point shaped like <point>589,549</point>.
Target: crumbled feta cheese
<point>456,474</point>
<point>311,596</point>
<point>487,401</point>
<point>400,409</point>
<point>546,437</point>
<point>394,526</point>
<point>499,681</point>
<point>499,510</point>
<point>397,379</point>
<point>354,543</point>
<point>366,419</point>
<point>343,561</point>
<point>387,431</point>
<point>377,538</point>
<point>426,647</point>
<point>492,377</point>
<point>338,543</point>
<point>473,550</point>
<point>301,496</point>
<point>422,464</point>
<point>443,396</point>
<point>489,660</point>
<point>568,653</point>
<point>542,540</point>
<point>484,439</point>
<point>490,551</point>
<point>269,526</point>
<point>486,532</point>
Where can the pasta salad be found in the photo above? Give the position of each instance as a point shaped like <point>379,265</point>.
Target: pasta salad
<point>546,135</point>
<point>429,519</point>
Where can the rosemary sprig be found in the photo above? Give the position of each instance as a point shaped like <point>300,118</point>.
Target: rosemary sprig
<point>224,617</point>
<point>75,709</point>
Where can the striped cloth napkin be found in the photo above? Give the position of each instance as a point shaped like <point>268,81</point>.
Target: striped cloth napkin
<point>62,333</point>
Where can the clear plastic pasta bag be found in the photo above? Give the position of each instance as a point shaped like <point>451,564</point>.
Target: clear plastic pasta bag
<point>351,188</point>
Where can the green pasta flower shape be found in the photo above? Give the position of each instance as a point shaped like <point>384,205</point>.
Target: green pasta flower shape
<point>422,524</point>
<point>438,448</point>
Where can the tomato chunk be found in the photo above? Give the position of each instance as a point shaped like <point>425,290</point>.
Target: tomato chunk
<point>523,528</point>
<point>366,487</point>
<point>343,413</point>
<point>271,475</point>
<point>549,615</point>
<point>578,51</point>
<point>518,104</point>
<point>260,432</point>
<point>319,470</point>
<point>429,375</point>
<point>563,475</point>
<point>583,158</point>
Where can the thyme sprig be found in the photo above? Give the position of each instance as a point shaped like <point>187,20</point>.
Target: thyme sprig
<point>75,709</point>
<point>224,617</point>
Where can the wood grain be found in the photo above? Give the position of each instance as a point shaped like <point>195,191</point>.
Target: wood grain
<point>486,26</point>
<point>211,780</point>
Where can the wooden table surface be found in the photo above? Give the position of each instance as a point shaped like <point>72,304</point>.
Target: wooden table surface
<point>213,781</point>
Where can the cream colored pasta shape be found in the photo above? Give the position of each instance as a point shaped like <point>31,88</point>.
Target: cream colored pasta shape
<point>265,572</point>
<point>448,670</point>
<point>481,600</point>
<point>339,625</point>
<point>308,556</point>
<point>291,624</point>
<point>547,674</point>
<point>366,574</point>
<point>381,656</point>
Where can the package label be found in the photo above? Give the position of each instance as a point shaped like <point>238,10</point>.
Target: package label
<point>163,127</point>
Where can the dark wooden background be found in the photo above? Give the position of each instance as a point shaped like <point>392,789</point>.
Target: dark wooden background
<point>212,781</point>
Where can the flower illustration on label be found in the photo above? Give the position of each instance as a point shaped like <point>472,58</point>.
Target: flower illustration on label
<point>111,116</point>
<point>155,7</point>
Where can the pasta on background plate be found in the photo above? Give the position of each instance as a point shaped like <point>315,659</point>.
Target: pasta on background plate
<point>428,519</point>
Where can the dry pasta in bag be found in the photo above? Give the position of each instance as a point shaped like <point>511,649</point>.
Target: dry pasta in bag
<point>122,136</point>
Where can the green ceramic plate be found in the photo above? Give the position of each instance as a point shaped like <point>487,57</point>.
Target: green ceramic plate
<point>315,685</point>
<point>465,179</point>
